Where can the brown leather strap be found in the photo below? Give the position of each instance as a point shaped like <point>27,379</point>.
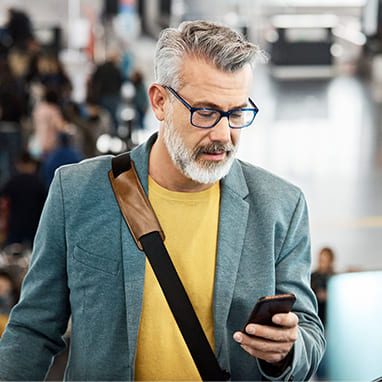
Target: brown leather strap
<point>149,237</point>
<point>134,204</point>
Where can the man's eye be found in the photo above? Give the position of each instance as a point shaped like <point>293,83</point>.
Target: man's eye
<point>206,113</point>
<point>237,115</point>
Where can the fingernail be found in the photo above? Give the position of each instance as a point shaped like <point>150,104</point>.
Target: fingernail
<point>251,330</point>
<point>237,337</point>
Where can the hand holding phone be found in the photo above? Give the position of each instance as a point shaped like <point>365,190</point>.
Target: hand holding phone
<point>267,306</point>
<point>271,345</point>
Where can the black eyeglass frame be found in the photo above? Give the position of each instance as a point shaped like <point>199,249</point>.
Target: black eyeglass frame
<point>192,110</point>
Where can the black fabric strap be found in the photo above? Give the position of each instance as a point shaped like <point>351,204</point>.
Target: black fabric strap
<point>182,309</point>
<point>176,296</point>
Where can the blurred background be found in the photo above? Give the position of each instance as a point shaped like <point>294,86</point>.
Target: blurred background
<point>73,81</point>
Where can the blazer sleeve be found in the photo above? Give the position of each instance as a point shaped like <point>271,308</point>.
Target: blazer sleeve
<point>293,266</point>
<point>39,320</point>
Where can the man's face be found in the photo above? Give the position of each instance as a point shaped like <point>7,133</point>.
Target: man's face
<point>325,261</point>
<point>205,155</point>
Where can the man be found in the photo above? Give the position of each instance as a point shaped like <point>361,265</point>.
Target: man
<point>106,83</point>
<point>234,233</point>
<point>320,278</point>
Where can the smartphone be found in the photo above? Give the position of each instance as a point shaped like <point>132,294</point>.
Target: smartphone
<point>266,307</point>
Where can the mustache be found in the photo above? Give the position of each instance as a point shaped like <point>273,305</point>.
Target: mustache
<point>214,148</point>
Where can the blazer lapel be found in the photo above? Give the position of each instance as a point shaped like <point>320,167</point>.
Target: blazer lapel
<point>232,226</point>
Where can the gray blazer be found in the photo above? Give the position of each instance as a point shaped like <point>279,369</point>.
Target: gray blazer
<point>86,264</point>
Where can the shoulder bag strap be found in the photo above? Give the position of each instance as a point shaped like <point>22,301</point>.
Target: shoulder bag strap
<point>148,235</point>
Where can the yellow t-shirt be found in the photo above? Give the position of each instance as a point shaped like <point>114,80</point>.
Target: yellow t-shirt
<point>190,223</point>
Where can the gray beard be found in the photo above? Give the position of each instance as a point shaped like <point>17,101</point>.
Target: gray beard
<point>185,160</point>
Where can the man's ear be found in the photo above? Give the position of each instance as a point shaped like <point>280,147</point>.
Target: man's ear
<point>158,98</point>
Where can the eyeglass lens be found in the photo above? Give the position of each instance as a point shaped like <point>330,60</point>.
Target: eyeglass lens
<point>208,118</point>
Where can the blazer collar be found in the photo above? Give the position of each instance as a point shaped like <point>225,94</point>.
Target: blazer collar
<point>235,180</point>
<point>141,155</point>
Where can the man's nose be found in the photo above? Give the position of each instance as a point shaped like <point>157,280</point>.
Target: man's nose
<point>221,131</point>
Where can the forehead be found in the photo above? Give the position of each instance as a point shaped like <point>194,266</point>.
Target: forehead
<point>202,81</point>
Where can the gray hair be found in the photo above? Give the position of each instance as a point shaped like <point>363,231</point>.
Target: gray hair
<point>225,48</point>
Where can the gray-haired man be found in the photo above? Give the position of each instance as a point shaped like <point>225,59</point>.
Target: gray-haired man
<point>233,231</point>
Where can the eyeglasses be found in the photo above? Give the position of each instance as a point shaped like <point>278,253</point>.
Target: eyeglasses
<point>206,118</point>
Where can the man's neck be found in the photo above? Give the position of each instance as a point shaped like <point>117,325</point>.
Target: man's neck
<point>166,174</point>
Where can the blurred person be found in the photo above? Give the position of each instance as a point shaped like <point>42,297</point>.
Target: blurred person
<point>3,220</point>
<point>97,122</point>
<point>140,99</point>
<point>91,121</point>
<point>19,63</point>
<point>65,153</point>
<point>5,41</point>
<point>320,278</point>
<point>7,291</point>
<point>127,62</point>
<point>25,194</point>
<point>50,74</point>
<point>11,113</point>
<point>48,123</point>
<point>7,298</point>
<point>11,101</point>
<point>319,282</point>
<point>14,260</point>
<point>234,232</point>
<point>19,28</point>
<point>106,83</point>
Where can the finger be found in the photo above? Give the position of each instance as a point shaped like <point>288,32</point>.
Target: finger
<point>272,333</point>
<point>250,329</point>
<point>267,350</point>
<point>288,320</point>
<point>265,356</point>
<point>266,346</point>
